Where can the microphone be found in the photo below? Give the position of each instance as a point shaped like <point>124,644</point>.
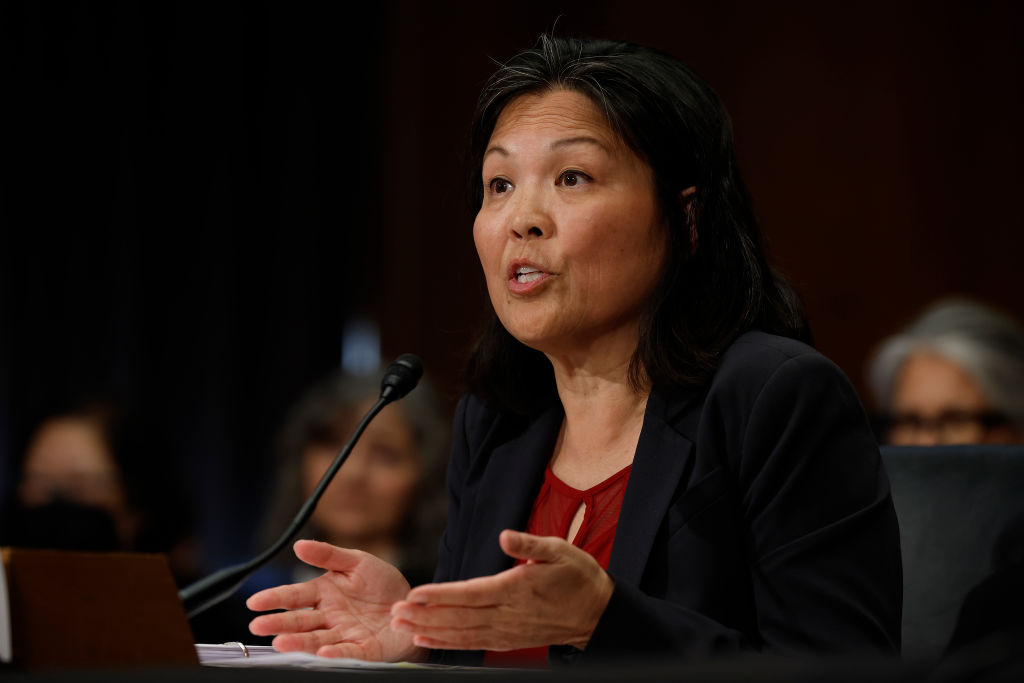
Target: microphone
<point>399,379</point>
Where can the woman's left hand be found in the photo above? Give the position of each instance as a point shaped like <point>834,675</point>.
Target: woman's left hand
<point>556,597</point>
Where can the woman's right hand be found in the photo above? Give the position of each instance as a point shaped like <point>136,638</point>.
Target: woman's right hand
<point>345,612</point>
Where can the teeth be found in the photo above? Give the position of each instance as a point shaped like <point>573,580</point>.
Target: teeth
<point>528,274</point>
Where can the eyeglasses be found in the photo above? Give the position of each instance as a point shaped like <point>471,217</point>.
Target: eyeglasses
<point>948,427</point>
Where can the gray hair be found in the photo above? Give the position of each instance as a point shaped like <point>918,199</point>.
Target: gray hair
<point>986,343</point>
<point>324,415</point>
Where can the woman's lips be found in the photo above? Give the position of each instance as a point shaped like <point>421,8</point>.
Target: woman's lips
<point>525,277</point>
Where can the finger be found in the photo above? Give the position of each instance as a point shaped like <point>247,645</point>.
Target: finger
<point>287,622</point>
<point>461,639</point>
<point>327,556</point>
<point>523,546</point>
<point>482,633</point>
<point>415,616</point>
<point>311,641</point>
<point>485,591</point>
<point>291,596</point>
<point>435,644</point>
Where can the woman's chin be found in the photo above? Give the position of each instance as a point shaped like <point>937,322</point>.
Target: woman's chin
<point>537,335</point>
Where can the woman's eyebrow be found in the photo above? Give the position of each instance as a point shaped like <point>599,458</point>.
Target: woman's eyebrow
<point>557,144</point>
<point>496,150</point>
<point>580,139</point>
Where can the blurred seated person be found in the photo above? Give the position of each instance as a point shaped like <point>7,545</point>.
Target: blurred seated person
<point>71,492</point>
<point>388,499</point>
<point>954,375</point>
<point>86,481</point>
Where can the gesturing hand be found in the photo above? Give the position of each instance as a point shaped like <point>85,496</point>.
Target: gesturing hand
<point>343,613</point>
<point>556,597</point>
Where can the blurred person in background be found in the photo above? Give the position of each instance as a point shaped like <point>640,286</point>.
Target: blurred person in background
<point>71,492</point>
<point>388,499</point>
<point>90,479</point>
<point>954,375</point>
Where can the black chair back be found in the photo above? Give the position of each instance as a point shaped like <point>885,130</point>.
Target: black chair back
<point>961,513</point>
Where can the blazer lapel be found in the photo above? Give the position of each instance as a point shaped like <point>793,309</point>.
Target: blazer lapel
<point>506,493</point>
<point>663,455</point>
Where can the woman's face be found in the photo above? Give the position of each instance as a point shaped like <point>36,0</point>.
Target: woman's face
<point>69,459</point>
<point>569,233</point>
<point>370,496</point>
<point>935,402</point>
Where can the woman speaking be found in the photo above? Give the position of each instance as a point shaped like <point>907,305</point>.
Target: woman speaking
<point>650,458</point>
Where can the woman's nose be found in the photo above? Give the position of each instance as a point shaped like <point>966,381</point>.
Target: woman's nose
<point>530,218</point>
<point>532,231</point>
<point>353,471</point>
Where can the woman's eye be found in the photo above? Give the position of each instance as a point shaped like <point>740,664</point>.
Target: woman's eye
<point>499,186</point>
<point>573,178</point>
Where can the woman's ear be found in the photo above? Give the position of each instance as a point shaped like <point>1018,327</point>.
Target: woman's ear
<point>686,198</point>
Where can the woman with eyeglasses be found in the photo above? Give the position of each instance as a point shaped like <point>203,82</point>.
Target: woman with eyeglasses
<point>953,376</point>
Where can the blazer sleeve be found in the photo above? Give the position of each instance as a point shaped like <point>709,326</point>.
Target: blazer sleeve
<point>818,525</point>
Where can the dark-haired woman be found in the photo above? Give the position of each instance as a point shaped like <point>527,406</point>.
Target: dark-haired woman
<point>650,460</point>
<point>388,499</point>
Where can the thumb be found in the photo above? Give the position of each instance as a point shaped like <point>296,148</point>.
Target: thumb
<point>524,546</point>
<point>327,556</point>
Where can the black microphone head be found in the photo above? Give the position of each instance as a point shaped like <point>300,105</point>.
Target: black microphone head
<point>401,377</point>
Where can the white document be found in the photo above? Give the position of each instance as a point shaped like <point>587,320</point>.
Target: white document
<point>264,656</point>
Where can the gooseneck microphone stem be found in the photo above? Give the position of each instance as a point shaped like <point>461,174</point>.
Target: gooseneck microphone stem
<point>400,378</point>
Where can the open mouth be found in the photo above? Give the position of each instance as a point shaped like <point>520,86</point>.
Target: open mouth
<point>524,277</point>
<point>525,274</point>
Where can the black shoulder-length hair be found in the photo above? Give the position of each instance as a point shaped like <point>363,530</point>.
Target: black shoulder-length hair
<point>716,284</point>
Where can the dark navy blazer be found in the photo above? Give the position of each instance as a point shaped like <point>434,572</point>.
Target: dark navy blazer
<point>757,513</point>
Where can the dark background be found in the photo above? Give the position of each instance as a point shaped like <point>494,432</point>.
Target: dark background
<point>196,198</point>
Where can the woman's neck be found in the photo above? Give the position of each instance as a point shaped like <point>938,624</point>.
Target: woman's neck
<point>603,417</point>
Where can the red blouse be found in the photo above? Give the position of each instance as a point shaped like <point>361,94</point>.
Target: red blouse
<point>552,514</point>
